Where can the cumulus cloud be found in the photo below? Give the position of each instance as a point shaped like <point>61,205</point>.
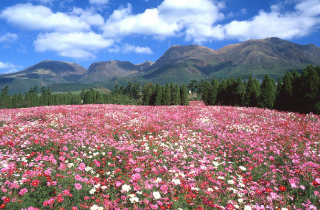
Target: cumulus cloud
<point>128,48</point>
<point>136,49</point>
<point>38,17</point>
<point>198,21</point>
<point>74,45</point>
<point>277,23</point>
<point>170,18</point>
<point>6,65</point>
<point>8,37</point>
<point>99,2</point>
<point>9,67</point>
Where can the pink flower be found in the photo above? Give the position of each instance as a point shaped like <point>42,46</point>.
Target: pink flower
<point>136,188</point>
<point>316,193</point>
<point>45,203</point>
<point>78,177</point>
<point>96,162</point>
<point>118,183</point>
<point>82,166</point>
<point>35,183</point>
<point>78,186</point>
<point>154,206</point>
<point>66,192</point>
<point>23,191</point>
<point>164,188</point>
<point>136,176</point>
<point>60,199</point>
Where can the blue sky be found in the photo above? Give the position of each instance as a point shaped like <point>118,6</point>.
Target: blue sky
<point>87,31</point>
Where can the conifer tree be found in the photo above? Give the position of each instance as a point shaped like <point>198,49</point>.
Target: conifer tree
<point>5,101</point>
<point>222,92</point>
<point>88,97</point>
<point>167,95</point>
<point>176,95</point>
<point>146,94</point>
<point>206,93</point>
<point>184,95</point>
<point>267,96</point>
<point>240,92</point>
<point>251,96</point>
<point>310,89</point>
<point>158,95</point>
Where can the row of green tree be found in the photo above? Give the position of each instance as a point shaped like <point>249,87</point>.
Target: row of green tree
<point>45,97</point>
<point>294,92</point>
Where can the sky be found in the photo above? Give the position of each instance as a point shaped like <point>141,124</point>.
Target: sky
<point>88,31</point>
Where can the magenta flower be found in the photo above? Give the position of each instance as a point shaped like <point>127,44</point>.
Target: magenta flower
<point>82,166</point>
<point>23,191</point>
<point>136,176</point>
<point>78,186</point>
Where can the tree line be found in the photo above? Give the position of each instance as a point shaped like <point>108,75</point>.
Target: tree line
<point>45,97</point>
<point>294,92</point>
<point>132,94</point>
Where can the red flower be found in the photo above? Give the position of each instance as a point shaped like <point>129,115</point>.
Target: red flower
<point>230,206</point>
<point>3,205</point>
<point>282,188</point>
<point>6,199</point>
<point>268,190</point>
<point>315,183</point>
<point>35,183</point>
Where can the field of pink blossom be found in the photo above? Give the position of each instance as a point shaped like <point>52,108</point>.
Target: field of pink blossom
<point>166,157</point>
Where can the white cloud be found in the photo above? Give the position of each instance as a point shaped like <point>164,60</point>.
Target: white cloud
<point>11,68</point>
<point>309,7</point>
<point>170,18</point>
<point>277,23</point>
<point>99,2</point>
<point>39,17</point>
<point>198,21</point>
<point>6,65</point>
<point>8,37</point>
<point>127,48</point>
<point>74,45</point>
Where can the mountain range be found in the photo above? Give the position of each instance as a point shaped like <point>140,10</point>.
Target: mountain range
<point>179,64</point>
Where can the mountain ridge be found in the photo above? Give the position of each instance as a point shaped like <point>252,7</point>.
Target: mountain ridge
<point>179,64</point>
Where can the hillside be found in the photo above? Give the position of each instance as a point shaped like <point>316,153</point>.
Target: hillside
<point>271,56</point>
<point>179,64</point>
<point>42,74</point>
<point>109,70</point>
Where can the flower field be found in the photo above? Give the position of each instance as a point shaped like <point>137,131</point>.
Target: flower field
<point>166,157</point>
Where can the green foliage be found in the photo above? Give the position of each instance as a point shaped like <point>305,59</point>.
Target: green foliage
<point>267,90</point>
<point>252,93</point>
<point>184,95</point>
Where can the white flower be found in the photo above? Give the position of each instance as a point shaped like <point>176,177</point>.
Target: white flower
<point>230,182</point>
<point>125,188</point>
<point>247,207</point>
<point>215,163</point>
<point>242,168</point>
<point>156,195</point>
<point>133,198</point>
<point>240,200</point>
<point>176,181</point>
<point>195,188</point>
<point>220,177</point>
<point>95,207</point>
<point>210,190</point>
<point>92,191</point>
